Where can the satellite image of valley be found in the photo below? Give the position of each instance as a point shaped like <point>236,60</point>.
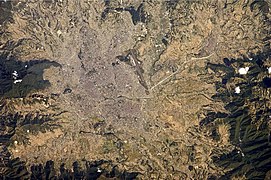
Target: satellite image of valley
<point>135,89</point>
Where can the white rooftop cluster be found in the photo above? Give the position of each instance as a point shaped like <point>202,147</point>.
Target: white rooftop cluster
<point>243,71</point>
<point>269,70</point>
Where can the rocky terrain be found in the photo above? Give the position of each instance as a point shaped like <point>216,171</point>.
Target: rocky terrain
<point>135,89</point>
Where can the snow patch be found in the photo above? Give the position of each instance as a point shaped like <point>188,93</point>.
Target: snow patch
<point>243,71</point>
<point>15,74</point>
<point>237,90</point>
<point>17,81</point>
